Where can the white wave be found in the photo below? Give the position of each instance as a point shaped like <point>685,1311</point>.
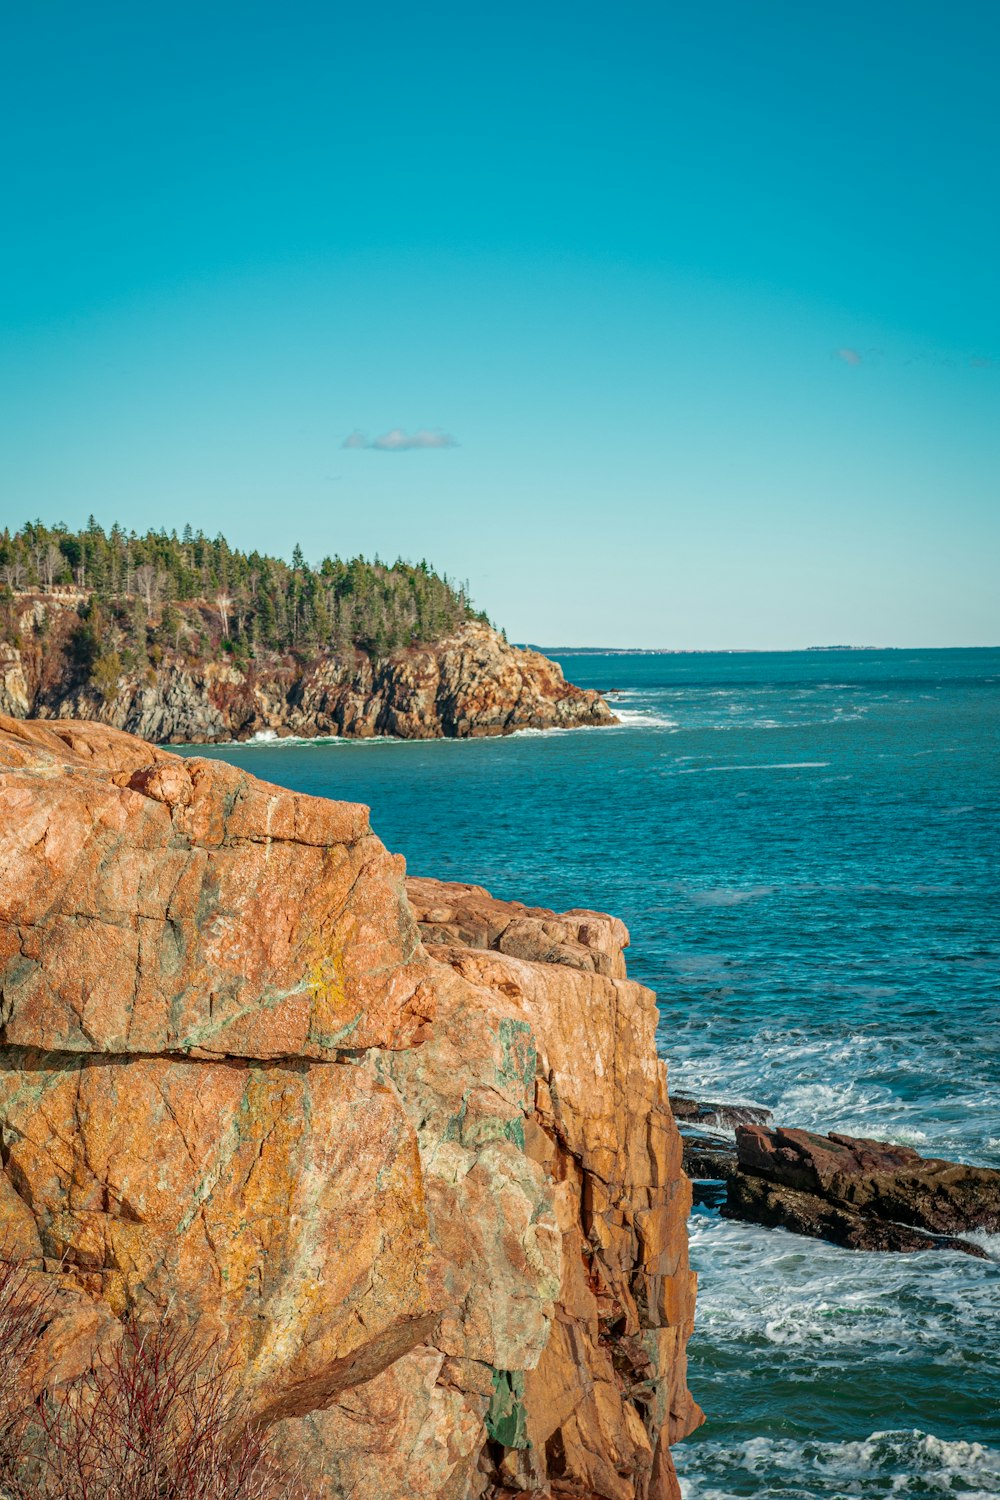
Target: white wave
<point>988,1242</point>
<point>520,734</point>
<point>841,716</point>
<point>903,1463</point>
<point>267,739</point>
<point>823,1305</point>
<point>642,718</point>
<point>781,765</point>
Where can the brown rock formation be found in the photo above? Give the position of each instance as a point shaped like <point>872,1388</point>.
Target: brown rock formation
<point>608,1394</point>
<point>869,1195</point>
<point>428,1193</point>
<point>472,683</point>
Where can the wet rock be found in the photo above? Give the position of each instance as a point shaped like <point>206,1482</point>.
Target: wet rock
<point>864,1193</point>
<point>716,1112</point>
<point>759,1201</point>
<point>709,1158</point>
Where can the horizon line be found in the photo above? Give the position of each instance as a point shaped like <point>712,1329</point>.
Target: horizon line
<point>566,650</point>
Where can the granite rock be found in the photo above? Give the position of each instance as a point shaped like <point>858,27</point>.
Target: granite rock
<point>409,1157</point>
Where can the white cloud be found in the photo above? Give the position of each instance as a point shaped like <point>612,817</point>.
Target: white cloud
<point>397,440</point>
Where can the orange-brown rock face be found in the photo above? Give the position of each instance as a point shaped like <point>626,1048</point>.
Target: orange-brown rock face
<point>608,1394</point>
<point>407,1155</point>
<point>185,906</point>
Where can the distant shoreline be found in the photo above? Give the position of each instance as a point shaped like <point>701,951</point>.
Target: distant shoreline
<point>728,650</point>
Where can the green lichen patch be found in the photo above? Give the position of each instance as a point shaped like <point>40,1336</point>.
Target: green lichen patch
<point>506,1419</point>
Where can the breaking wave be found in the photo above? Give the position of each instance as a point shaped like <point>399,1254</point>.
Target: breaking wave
<point>903,1463</point>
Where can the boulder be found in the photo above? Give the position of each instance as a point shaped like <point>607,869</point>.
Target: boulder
<point>467,916</point>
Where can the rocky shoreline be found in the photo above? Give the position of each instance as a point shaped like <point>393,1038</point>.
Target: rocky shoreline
<point>472,683</point>
<point>859,1193</point>
<point>402,1150</point>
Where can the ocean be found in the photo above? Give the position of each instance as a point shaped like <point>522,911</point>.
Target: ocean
<point>806,849</point>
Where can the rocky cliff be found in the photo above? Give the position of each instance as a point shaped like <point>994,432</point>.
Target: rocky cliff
<point>471,683</point>
<point>406,1150</point>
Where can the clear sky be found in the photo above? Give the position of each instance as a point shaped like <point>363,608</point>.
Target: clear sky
<point>662,324</point>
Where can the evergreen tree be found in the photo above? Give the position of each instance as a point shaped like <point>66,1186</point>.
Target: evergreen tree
<point>201,598</point>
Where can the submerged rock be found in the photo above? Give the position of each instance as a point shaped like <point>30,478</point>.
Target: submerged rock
<point>863,1193</point>
<point>422,1181</point>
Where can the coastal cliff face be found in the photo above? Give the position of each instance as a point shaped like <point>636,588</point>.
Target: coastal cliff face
<point>406,1150</point>
<point>471,683</point>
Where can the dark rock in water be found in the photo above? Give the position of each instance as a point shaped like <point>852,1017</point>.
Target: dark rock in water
<point>759,1201</point>
<point>716,1112</point>
<point>870,1195</point>
<point>876,1178</point>
<point>707,1158</point>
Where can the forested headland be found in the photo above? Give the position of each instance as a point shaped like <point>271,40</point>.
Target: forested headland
<point>202,598</point>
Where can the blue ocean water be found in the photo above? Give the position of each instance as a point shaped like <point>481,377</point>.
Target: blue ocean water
<point>806,848</point>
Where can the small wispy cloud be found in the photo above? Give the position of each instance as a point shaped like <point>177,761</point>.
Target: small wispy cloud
<point>928,357</point>
<point>397,441</point>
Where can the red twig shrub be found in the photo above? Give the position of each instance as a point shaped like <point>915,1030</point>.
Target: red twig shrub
<point>157,1417</point>
<point>24,1312</point>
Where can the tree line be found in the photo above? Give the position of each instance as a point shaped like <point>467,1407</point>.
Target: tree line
<point>246,602</point>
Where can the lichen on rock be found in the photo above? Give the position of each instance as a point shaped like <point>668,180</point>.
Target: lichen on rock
<point>404,1150</point>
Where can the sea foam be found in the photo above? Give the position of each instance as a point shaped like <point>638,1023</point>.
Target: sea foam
<point>899,1463</point>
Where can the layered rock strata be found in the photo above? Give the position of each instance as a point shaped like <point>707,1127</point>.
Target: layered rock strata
<point>471,684</point>
<point>409,1158</point>
<point>864,1194</point>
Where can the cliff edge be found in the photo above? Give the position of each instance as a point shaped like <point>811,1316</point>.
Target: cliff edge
<point>404,1149</point>
<point>470,683</point>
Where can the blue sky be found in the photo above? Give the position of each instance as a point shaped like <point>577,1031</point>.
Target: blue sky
<point>705,297</point>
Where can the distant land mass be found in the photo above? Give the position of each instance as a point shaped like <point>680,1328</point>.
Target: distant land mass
<point>185,639</point>
<point>694,650</point>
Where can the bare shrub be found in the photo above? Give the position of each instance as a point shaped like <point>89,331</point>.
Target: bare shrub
<point>24,1311</point>
<point>157,1417</point>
